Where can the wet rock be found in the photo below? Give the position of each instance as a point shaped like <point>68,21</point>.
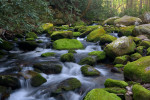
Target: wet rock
<point>6,45</point>
<point>100,55</point>
<point>47,54</point>
<point>122,59</point>
<point>67,85</point>
<point>140,93</point>
<point>11,70</point>
<point>27,45</point>
<point>146,17</point>
<point>128,20</point>
<point>106,38</point>
<point>68,57</point>
<point>120,47</point>
<point>135,56</point>
<point>48,67</point>
<point>126,30</point>
<point>140,50</point>
<point>61,34</point>
<point>145,43</point>
<point>4,93</point>
<point>110,21</point>
<point>67,44</point>
<point>100,94</point>
<point>9,81</point>
<point>115,83</point>
<point>88,60</point>
<point>89,71</point>
<point>116,70</point>
<point>138,70</point>
<point>72,51</point>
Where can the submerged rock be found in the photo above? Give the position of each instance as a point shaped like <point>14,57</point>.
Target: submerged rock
<point>89,71</point>
<point>101,94</point>
<point>48,67</point>
<point>128,20</point>
<point>120,47</point>
<point>67,44</point>
<point>138,70</point>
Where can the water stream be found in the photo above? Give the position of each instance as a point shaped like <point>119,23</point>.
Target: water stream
<point>70,69</point>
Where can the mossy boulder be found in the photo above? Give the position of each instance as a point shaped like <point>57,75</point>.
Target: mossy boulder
<point>47,54</point>
<point>94,36</point>
<point>37,80</point>
<point>6,45</point>
<point>61,34</point>
<point>116,90</point>
<point>140,93</point>
<point>100,94</point>
<point>145,43</point>
<point>126,31</point>
<point>89,71</point>
<point>110,21</point>
<point>106,38</point>
<point>9,81</point>
<point>120,47</point>
<point>111,29</point>
<point>122,59</point>
<point>67,85</point>
<point>115,83</point>
<point>72,51</point>
<point>47,27</point>
<point>31,35</point>
<point>119,66</point>
<point>78,23</point>
<point>64,27</point>
<point>142,30</point>
<point>27,45</point>
<point>76,34</point>
<point>87,60</point>
<point>137,40</point>
<point>148,51</point>
<point>127,21</point>
<point>140,50</point>
<point>66,44</point>
<point>30,39</point>
<point>48,67</point>
<point>100,55</point>
<point>68,57</point>
<point>138,70</point>
<point>135,56</point>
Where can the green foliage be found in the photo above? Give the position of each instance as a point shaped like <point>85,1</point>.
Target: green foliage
<point>23,15</point>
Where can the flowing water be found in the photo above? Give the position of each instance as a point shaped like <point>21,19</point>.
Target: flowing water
<point>70,69</point>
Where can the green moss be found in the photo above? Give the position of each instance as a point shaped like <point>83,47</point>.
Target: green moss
<point>101,94</point>
<point>120,47</point>
<point>119,65</point>
<point>140,49</point>
<point>137,40</point>
<point>72,51</point>
<point>31,35</point>
<point>110,21</point>
<point>126,31</point>
<point>64,27</point>
<point>100,55</point>
<point>138,70</point>
<point>106,38</point>
<point>122,59</point>
<point>39,41</point>
<point>89,71</point>
<point>146,44</point>
<point>68,85</point>
<point>116,90</point>
<point>47,27</point>
<point>115,83</point>
<point>37,80</point>
<point>76,34</point>
<point>30,39</point>
<point>148,51</point>
<point>67,44</point>
<point>111,28</point>
<point>6,45</point>
<point>47,54</point>
<point>135,56</point>
<point>15,39</point>
<point>68,57</point>
<point>61,34</point>
<point>94,36</point>
<point>88,61</point>
<point>78,23</point>
<point>140,93</point>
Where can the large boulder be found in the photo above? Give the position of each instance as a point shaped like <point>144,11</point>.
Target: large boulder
<point>101,94</point>
<point>127,21</point>
<point>66,44</point>
<point>94,36</point>
<point>142,30</point>
<point>110,21</point>
<point>140,93</point>
<point>146,18</point>
<point>119,47</point>
<point>138,70</point>
<point>61,34</point>
<point>50,67</point>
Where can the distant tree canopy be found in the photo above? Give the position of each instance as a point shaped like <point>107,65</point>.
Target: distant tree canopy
<point>22,15</point>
